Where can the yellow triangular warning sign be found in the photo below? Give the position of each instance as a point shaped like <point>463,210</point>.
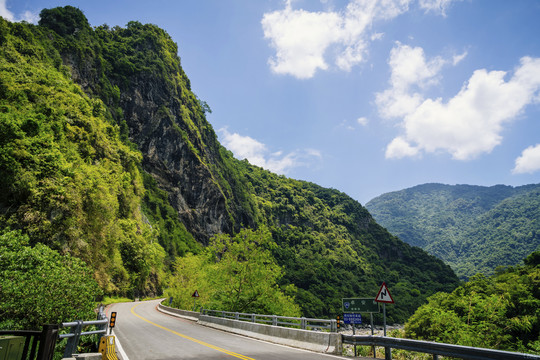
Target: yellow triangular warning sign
<point>384,295</point>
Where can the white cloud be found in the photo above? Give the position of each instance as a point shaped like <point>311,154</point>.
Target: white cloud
<point>410,74</point>
<point>301,38</point>
<point>27,16</point>
<point>399,148</point>
<point>30,17</point>
<point>376,36</point>
<point>457,58</point>
<point>529,161</point>
<point>362,121</point>
<point>471,122</point>
<point>4,12</point>
<point>436,6</point>
<point>245,147</point>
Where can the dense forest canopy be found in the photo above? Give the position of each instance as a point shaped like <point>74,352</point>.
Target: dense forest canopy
<point>106,156</point>
<point>500,312</point>
<point>474,229</point>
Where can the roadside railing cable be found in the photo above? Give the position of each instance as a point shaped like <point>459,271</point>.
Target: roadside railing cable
<point>436,349</point>
<point>287,321</point>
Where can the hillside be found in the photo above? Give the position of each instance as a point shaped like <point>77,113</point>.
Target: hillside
<point>106,155</point>
<point>472,228</point>
<point>507,303</point>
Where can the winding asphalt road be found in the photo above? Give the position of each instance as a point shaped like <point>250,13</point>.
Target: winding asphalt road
<point>144,333</point>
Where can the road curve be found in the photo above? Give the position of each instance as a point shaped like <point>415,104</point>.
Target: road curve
<point>147,334</point>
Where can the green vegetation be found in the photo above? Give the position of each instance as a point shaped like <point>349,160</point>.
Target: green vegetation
<point>331,248</point>
<point>68,180</point>
<point>173,235</point>
<point>234,274</point>
<point>474,229</point>
<point>500,312</point>
<point>30,277</point>
<point>81,179</point>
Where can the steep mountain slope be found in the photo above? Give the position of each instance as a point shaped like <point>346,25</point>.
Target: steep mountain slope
<point>472,228</point>
<point>105,149</point>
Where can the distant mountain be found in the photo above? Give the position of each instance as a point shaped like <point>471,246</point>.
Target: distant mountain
<point>472,228</point>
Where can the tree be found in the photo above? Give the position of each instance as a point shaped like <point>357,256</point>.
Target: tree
<point>500,312</point>
<point>65,21</point>
<point>39,286</point>
<point>247,273</point>
<point>236,273</point>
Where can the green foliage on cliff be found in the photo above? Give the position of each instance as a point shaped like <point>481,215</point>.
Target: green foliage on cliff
<point>173,235</point>
<point>106,155</point>
<point>67,178</point>
<point>499,312</point>
<point>474,229</point>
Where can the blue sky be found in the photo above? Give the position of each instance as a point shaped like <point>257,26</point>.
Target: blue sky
<point>362,96</point>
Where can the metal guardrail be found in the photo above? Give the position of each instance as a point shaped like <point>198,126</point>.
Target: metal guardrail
<point>428,347</point>
<point>77,331</point>
<point>301,323</point>
<point>38,345</point>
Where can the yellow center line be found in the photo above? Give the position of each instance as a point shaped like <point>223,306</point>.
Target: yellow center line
<point>240,356</point>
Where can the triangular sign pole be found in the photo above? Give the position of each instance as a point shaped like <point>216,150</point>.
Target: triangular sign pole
<point>195,296</point>
<point>384,296</point>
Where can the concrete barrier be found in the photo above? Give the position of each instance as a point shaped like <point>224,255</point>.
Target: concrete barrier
<point>324,342</point>
<point>190,315</point>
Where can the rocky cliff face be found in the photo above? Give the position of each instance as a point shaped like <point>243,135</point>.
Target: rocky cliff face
<point>166,122</point>
<point>155,125</point>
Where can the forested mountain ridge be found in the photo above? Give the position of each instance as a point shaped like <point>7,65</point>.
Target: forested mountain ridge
<point>472,228</point>
<point>105,149</point>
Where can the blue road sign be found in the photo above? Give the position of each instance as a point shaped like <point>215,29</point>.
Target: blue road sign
<point>352,318</point>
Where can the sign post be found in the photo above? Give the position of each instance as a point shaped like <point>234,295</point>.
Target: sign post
<point>352,307</point>
<point>195,296</point>
<point>384,297</point>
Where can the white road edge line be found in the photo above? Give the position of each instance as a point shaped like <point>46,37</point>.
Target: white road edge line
<point>119,347</point>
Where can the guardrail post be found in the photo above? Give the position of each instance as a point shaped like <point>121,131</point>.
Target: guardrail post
<point>274,320</point>
<point>71,345</point>
<point>101,316</point>
<point>236,316</point>
<point>303,323</point>
<point>252,318</point>
<point>49,335</point>
<point>333,325</point>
